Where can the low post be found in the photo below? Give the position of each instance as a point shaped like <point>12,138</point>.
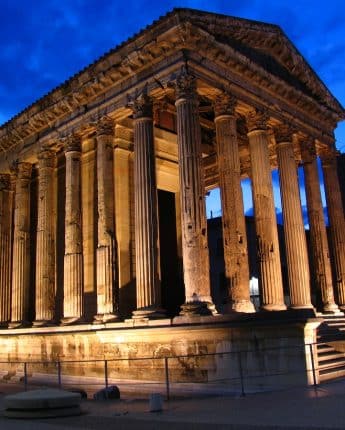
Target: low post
<point>167,382</point>
<point>312,364</point>
<point>25,377</point>
<point>59,374</point>
<point>106,373</point>
<point>241,373</point>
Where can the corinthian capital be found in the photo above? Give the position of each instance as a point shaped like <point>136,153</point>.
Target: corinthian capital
<point>105,126</point>
<point>328,156</point>
<point>142,106</point>
<point>23,170</point>
<point>225,104</point>
<point>46,158</point>
<point>5,181</point>
<point>185,85</point>
<point>308,149</point>
<point>283,133</point>
<point>257,120</point>
<point>72,143</point>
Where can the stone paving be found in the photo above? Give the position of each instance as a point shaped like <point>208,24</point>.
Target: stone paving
<point>300,408</point>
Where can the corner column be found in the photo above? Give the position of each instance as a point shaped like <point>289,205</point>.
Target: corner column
<point>193,213</point>
<point>73,258</point>
<point>45,249</point>
<point>336,220</point>
<point>107,288</point>
<point>295,240</point>
<point>146,212</point>
<point>264,211</point>
<point>233,220</point>
<point>6,214</point>
<point>21,248</point>
<point>318,236</point>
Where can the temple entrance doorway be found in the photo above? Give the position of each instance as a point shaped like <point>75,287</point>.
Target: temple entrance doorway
<point>171,283</point>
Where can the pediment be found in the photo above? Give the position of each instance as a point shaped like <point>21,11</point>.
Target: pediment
<point>268,46</point>
<point>264,45</point>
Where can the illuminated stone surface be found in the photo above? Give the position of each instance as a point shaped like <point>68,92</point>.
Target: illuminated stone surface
<point>103,206</point>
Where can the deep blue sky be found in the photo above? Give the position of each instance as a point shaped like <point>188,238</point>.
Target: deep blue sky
<point>44,42</point>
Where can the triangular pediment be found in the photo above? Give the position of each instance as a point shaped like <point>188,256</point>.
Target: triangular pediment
<point>249,43</point>
<point>268,46</point>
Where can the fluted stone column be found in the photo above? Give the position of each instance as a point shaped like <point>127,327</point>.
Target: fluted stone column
<point>295,240</point>
<point>234,226</point>
<point>336,221</point>
<point>264,211</point>
<point>146,212</point>
<point>6,214</point>
<point>21,247</point>
<point>193,216</point>
<point>318,236</point>
<point>107,288</point>
<point>45,247</point>
<point>73,259</point>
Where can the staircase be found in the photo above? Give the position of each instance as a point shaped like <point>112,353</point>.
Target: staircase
<point>331,348</point>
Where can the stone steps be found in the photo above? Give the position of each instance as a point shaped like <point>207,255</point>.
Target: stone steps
<point>330,361</point>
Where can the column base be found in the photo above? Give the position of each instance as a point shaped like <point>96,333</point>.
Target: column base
<point>198,308</point>
<point>19,324</point>
<point>106,318</point>
<point>330,308</point>
<point>297,307</point>
<point>71,320</point>
<point>147,313</point>
<point>43,323</point>
<point>274,307</point>
<point>243,306</point>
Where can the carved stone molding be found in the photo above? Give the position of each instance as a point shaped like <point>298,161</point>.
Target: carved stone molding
<point>5,181</point>
<point>46,158</point>
<point>283,133</point>
<point>257,120</point>
<point>308,149</point>
<point>328,156</point>
<point>225,104</point>
<point>185,85</point>
<point>105,126</point>
<point>142,106</point>
<point>72,143</point>
<point>23,170</point>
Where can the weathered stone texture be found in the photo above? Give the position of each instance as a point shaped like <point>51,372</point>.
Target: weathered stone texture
<point>318,236</point>
<point>295,240</point>
<point>234,228</point>
<point>265,217</point>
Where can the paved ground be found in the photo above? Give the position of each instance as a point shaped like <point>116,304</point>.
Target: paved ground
<point>300,408</point>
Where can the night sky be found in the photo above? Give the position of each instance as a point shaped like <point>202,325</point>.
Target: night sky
<point>44,42</point>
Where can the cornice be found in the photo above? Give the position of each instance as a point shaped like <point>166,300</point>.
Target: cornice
<point>158,42</point>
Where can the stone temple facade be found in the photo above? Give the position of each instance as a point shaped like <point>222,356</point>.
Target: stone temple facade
<point>103,233</point>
